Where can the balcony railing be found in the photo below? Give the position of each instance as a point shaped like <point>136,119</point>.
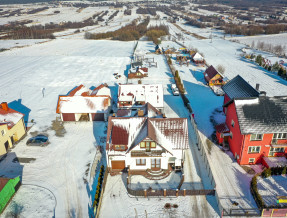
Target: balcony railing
<point>146,153</point>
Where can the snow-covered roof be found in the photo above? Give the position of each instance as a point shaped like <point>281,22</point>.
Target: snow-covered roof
<point>8,116</point>
<point>197,57</point>
<point>262,115</point>
<point>170,133</point>
<point>83,104</point>
<point>126,98</point>
<point>84,100</point>
<point>148,93</point>
<point>275,161</point>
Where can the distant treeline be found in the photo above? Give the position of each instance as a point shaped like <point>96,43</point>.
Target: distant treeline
<point>130,32</point>
<point>251,30</point>
<point>133,31</point>
<point>6,2</point>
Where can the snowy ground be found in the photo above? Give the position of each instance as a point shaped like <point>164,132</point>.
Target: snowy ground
<point>274,39</point>
<point>63,167</point>
<point>272,187</point>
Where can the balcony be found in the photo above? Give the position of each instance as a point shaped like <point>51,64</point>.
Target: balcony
<point>152,153</point>
<point>277,143</point>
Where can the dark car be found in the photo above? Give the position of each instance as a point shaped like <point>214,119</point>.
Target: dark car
<point>39,140</point>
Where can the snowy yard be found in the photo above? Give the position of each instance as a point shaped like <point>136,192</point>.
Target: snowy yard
<point>271,187</point>
<point>64,166</point>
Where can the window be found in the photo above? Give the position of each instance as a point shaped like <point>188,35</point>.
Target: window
<point>251,160</point>
<point>138,74</point>
<point>147,145</point>
<point>141,162</point>
<point>256,137</point>
<point>231,135</point>
<point>254,149</point>
<point>3,132</point>
<point>142,145</point>
<point>120,147</point>
<point>276,150</point>
<point>232,123</point>
<point>280,136</point>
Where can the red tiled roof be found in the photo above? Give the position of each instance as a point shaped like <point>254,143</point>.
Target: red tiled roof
<point>119,136</point>
<point>210,73</point>
<point>9,120</point>
<point>222,128</point>
<point>3,182</point>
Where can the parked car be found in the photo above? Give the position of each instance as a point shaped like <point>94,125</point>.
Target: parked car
<point>174,89</point>
<point>39,140</point>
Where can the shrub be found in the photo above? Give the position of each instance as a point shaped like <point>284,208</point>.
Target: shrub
<point>176,74</point>
<point>284,170</point>
<point>266,173</point>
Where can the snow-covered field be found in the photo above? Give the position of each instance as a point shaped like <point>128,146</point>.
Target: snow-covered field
<point>63,166</point>
<point>274,40</point>
<point>272,187</point>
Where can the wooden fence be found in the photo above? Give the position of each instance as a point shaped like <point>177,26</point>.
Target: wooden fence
<point>97,209</point>
<point>169,192</point>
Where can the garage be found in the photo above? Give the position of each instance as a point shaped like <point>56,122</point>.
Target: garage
<point>98,116</point>
<point>118,164</point>
<point>68,117</point>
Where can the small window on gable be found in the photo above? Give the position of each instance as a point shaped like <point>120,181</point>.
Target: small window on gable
<point>232,123</point>
<point>251,160</point>
<point>152,145</point>
<point>142,144</point>
<point>231,134</point>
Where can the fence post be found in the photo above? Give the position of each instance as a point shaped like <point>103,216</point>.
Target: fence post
<point>176,193</point>
<point>184,192</point>
<point>145,194</point>
<point>164,192</point>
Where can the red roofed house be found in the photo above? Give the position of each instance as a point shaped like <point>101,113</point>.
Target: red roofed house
<point>146,144</point>
<point>83,104</point>
<point>213,77</point>
<point>140,73</point>
<point>12,127</point>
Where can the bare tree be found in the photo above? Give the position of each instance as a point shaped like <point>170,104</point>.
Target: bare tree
<point>220,69</point>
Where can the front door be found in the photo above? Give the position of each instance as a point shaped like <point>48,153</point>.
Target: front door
<point>6,145</point>
<point>155,164</point>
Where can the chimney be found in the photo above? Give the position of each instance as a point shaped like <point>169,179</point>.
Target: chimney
<point>163,116</point>
<point>262,93</point>
<point>140,113</point>
<point>4,106</point>
<point>257,86</point>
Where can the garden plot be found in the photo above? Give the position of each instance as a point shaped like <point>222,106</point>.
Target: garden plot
<point>271,187</point>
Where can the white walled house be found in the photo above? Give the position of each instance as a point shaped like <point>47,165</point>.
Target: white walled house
<point>132,96</point>
<point>143,143</point>
<point>84,104</point>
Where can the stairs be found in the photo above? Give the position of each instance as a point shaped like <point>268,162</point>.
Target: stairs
<point>156,175</point>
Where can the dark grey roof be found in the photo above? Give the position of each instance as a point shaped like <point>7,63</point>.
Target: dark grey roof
<point>262,114</point>
<point>239,88</point>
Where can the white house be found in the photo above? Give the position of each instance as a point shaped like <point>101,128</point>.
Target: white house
<point>84,104</point>
<point>143,143</point>
<point>131,96</point>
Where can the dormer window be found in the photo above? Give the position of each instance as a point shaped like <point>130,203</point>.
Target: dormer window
<point>120,147</point>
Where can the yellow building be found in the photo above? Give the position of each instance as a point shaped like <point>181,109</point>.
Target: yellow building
<point>12,127</point>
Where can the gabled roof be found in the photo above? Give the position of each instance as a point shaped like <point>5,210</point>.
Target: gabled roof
<point>197,57</point>
<point>84,100</point>
<point>8,116</point>
<point>262,115</point>
<point>210,73</point>
<point>239,88</point>
<point>149,93</point>
<point>170,133</point>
